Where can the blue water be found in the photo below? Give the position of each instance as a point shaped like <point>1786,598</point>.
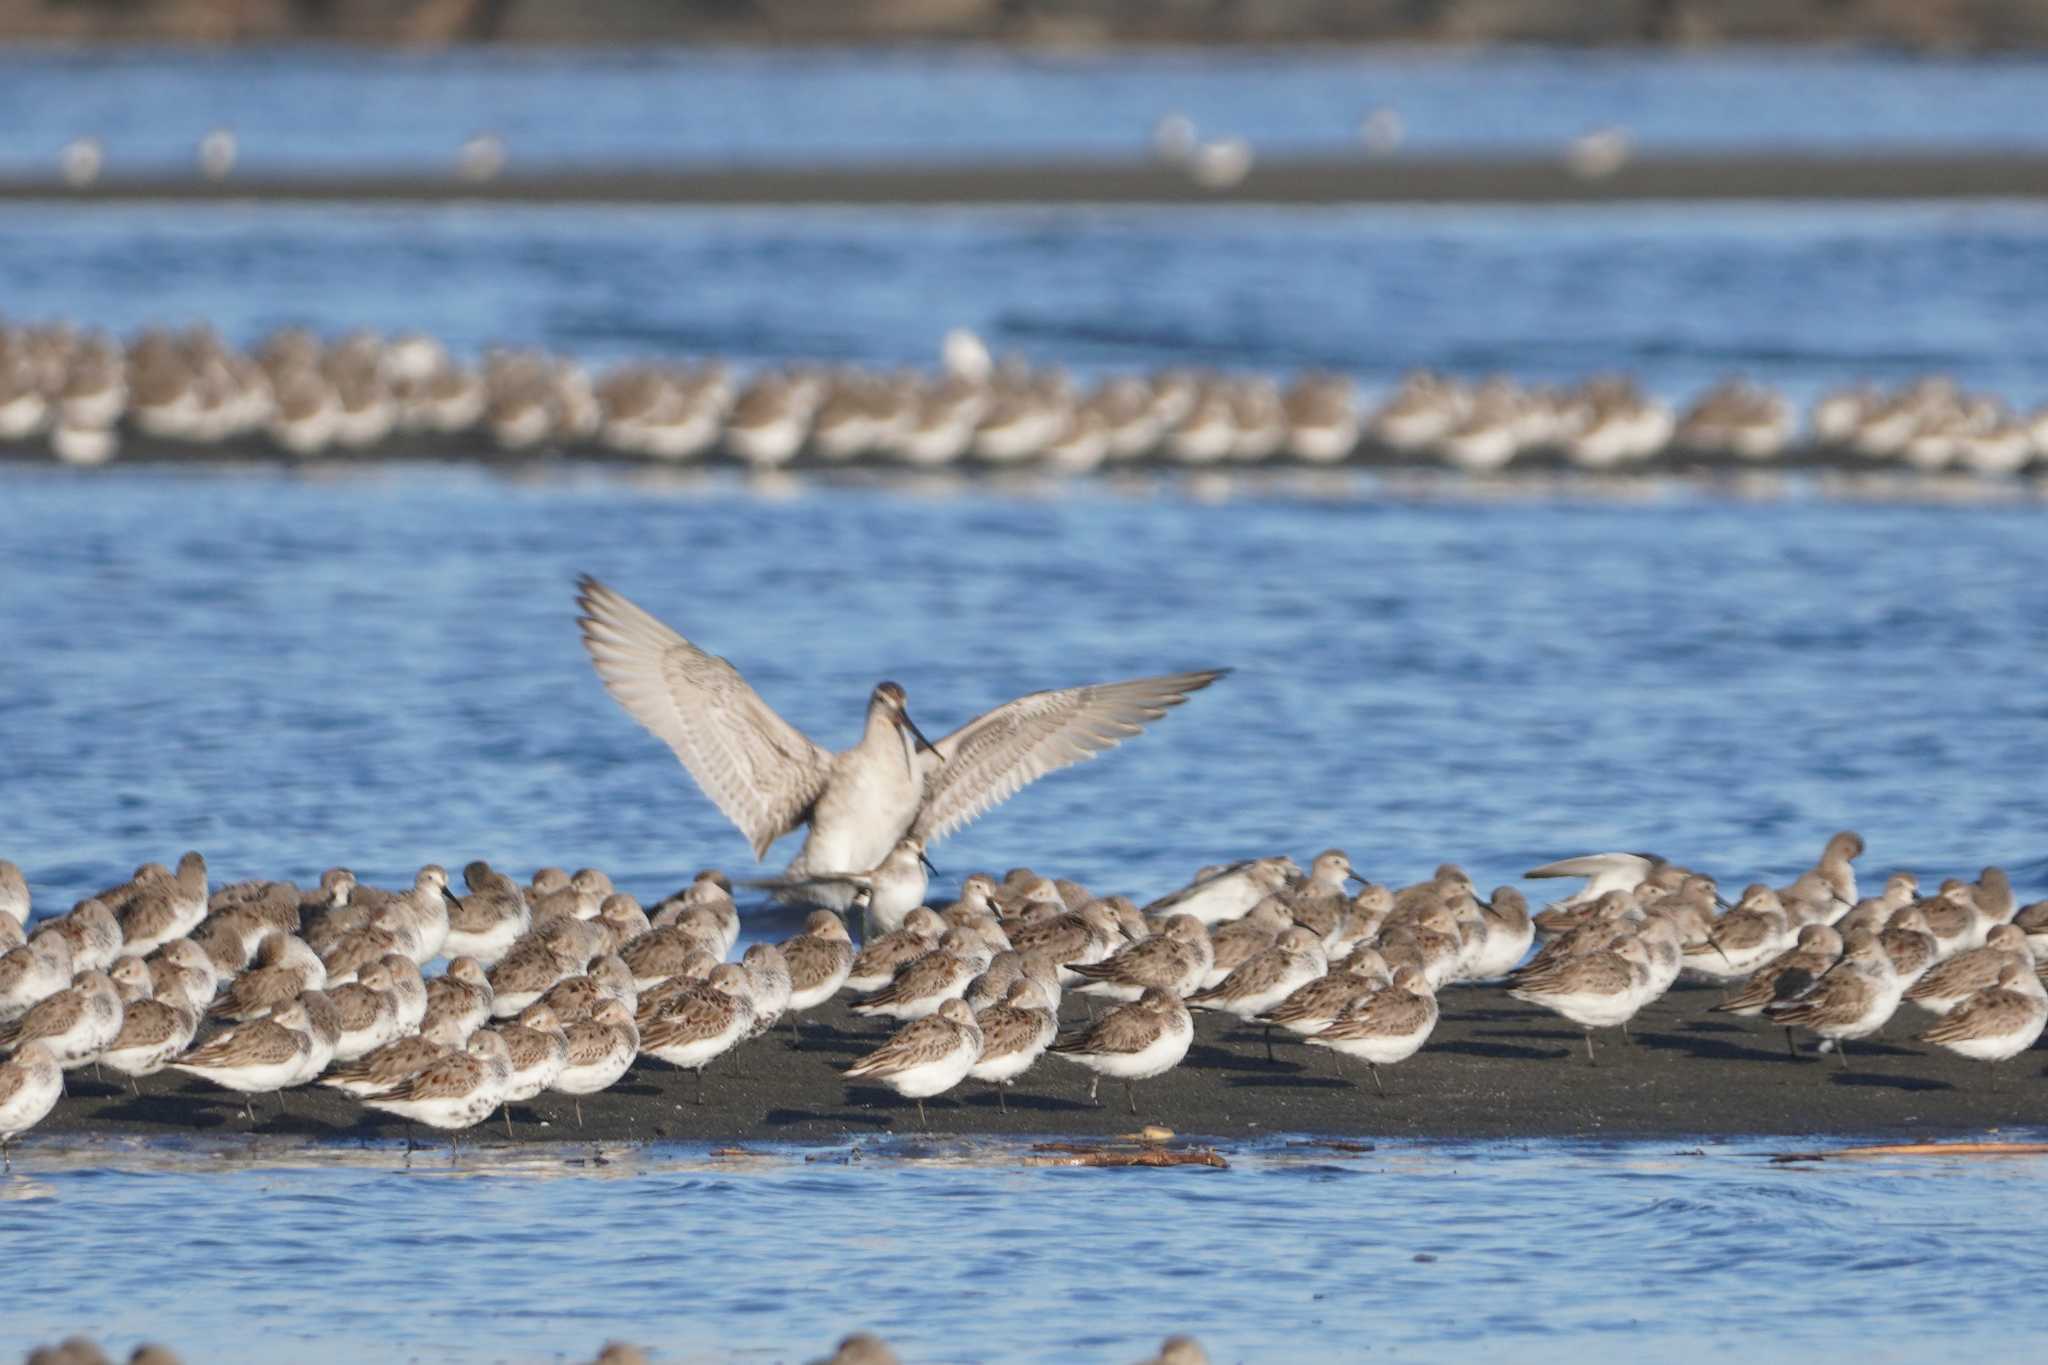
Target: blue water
<point>334,107</point>
<point>380,668</point>
<point>1550,1252</point>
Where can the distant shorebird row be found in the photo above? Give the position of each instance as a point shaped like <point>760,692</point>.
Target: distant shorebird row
<point>563,983</point>
<point>857,1348</point>
<point>87,399</point>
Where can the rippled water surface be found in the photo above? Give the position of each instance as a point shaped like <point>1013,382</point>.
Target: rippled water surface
<point>1545,1252</point>
<point>380,668</point>
<point>335,107</point>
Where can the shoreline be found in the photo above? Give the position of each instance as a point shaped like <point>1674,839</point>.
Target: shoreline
<point>1495,1070</point>
<point>1281,180</point>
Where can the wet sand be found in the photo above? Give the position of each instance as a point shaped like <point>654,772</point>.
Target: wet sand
<point>1495,1069</point>
<point>1272,181</point>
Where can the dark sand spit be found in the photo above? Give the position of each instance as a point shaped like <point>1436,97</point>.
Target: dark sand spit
<point>1270,181</point>
<point>1494,1069</point>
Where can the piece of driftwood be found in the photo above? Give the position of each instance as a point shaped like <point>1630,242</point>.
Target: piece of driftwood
<point>1149,1154</point>
<point>1919,1149</point>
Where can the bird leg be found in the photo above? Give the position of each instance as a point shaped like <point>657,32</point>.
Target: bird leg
<point>1130,1098</point>
<point>579,1111</point>
<point>1790,1046</point>
<point>1842,1051</point>
<point>700,1085</point>
<point>508,1119</point>
<point>1624,1034</point>
<point>280,1101</point>
<point>1002,1097</point>
<point>1993,1068</point>
<point>923,1121</point>
<point>1589,1049</point>
<point>1376,1084</point>
<point>1269,1044</point>
<point>796,1039</point>
<point>1092,1084</point>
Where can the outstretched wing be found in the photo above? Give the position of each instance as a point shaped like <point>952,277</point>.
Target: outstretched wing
<point>987,760</point>
<point>759,769</point>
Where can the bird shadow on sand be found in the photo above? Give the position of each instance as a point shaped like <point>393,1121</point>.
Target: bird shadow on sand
<point>1504,1051</point>
<point>1877,1081</point>
<point>1027,1100</point>
<point>1757,1049</point>
<point>1548,1035</point>
<point>840,1044</point>
<point>1213,1055</point>
<point>879,1108</point>
<point>1292,1080</point>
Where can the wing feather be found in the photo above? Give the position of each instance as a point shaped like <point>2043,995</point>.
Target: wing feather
<point>989,759</point>
<point>754,765</point>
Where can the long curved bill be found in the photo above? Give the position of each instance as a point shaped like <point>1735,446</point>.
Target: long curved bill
<point>909,726</point>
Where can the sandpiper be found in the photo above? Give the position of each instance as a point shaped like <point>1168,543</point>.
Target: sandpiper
<point>1177,958</point>
<point>153,1031</point>
<point>895,886</point>
<point>877,962</point>
<point>1014,1034</point>
<point>1295,959</point>
<point>1944,986</point>
<point>1132,1042</point>
<point>929,1055</point>
<point>1787,976</point>
<point>536,1048</point>
<point>819,960</point>
<point>283,967</point>
<point>166,909</point>
<point>2000,1021</point>
<point>33,972</point>
<point>1853,1000</point>
<point>1601,989</point>
<point>76,1023</point>
<point>30,1082</point>
<point>458,1001</point>
<point>770,780</point>
<point>1604,872</point>
<point>457,1090</point>
<point>920,986</point>
<point>1386,1026</point>
<point>1227,893</point>
<point>1509,932</point>
<point>14,898</point>
<point>694,1029</point>
<point>489,920</point>
<point>597,1053</point>
<point>260,1057</point>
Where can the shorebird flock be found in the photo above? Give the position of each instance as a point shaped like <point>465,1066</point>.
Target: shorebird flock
<point>85,398</point>
<point>857,1348</point>
<point>564,983</point>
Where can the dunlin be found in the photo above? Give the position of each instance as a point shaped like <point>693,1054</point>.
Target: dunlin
<point>30,1082</point>
<point>283,967</point>
<point>920,986</point>
<point>260,1057</point>
<point>1177,958</point>
<point>14,898</point>
<point>153,1031</point>
<point>537,1049</point>
<point>929,1055</point>
<point>1601,989</point>
<point>1262,982</point>
<point>1014,1034</point>
<point>457,1090</point>
<point>1787,976</point>
<point>76,1023</point>
<point>1943,986</point>
<point>1386,1026</point>
<point>1132,1042</point>
<point>1993,1024</point>
<point>1509,932</point>
<point>458,1001</point>
<point>1852,1000</point>
<point>490,919</point>
<point>33,972</point>
<point>876,964</point>
<point>166,909</point>
<point>1226,893</point>
<point>768,986</point>
<point>597,1053</point>
<point>770,780</point>
<point>382,1068</point>
<point>696,1028</point>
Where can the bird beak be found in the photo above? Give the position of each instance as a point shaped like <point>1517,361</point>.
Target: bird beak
<point>909,727</point>
<point>1358,877</point>
<point>927,863</point>
<point>452,899</point>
